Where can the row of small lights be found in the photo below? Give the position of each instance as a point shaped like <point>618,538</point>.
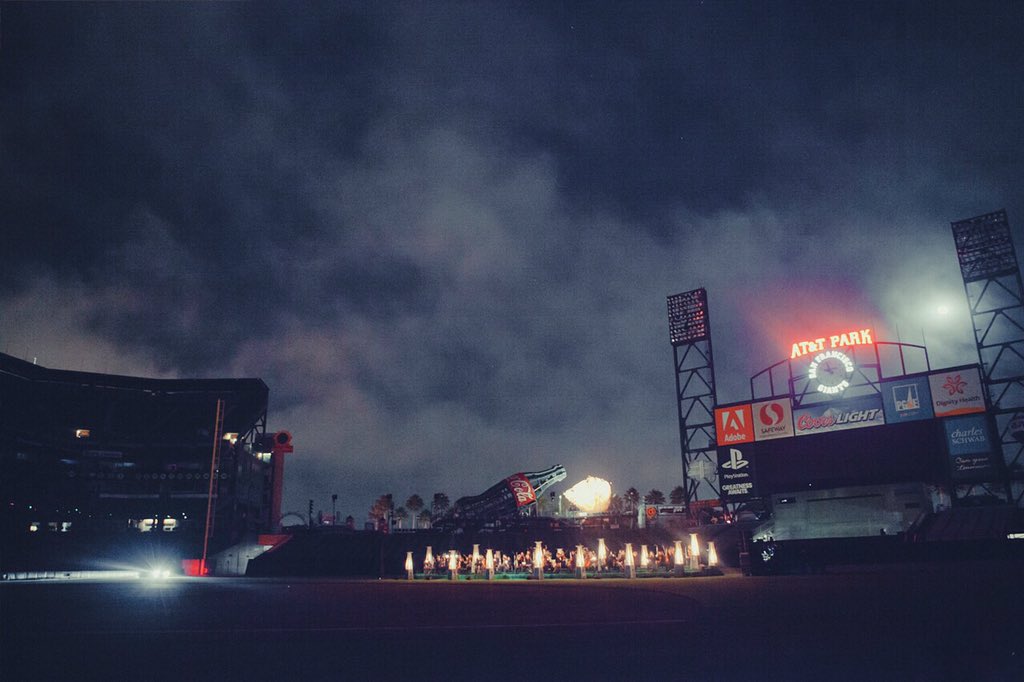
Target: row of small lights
<point>679,559</point>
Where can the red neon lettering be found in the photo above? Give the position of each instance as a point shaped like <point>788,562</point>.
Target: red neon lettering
<point>861,337</point>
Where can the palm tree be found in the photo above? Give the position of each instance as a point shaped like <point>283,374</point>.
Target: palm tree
<point>615,505</point>
<point>654,496</point>
<point>424,518</point>
<point>633,499</point>
<point>441,505</point>
<point>401,514</point>
<point>414,504</point>
<point>678,495</point>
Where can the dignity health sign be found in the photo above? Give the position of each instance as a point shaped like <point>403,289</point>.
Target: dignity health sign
<point>956,391</point>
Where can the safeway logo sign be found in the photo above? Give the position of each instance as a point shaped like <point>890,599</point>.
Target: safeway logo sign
<point>773,419</point>
<point>734,425</point>
<point>736,461</point>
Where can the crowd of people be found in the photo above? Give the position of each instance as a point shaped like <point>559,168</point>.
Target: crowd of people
<point>655,558</point>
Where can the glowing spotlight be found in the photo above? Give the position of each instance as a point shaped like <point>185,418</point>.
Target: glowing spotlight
<point>712,555</point>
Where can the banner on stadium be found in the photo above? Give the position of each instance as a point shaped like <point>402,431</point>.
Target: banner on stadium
<point>734,425</point>
<point>957,391</point>
<point>736,473</point>
<point>907,400</point>
<point>854,413</point>
<point>970,448</point>
<point>773,419</point>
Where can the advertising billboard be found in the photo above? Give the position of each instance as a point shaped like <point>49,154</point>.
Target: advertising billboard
<point>773,419</point>
<point>957,391</point>
<point>736,473</point>
<point>907,399</point>
<point>734,425</point>
<point>970,448</point>
<point>840,415</point>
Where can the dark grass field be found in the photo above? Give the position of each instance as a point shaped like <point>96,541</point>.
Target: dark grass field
<point>955,621</point>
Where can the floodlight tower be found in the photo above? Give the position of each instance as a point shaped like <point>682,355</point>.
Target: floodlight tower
<point>690,333</point>
<point>991,274</point>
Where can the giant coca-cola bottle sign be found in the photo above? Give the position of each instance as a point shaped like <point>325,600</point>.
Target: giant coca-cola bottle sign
<point>521,489</point>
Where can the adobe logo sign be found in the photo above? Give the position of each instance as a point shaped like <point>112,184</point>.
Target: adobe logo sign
<point>773,419</point>
<point>734,425</point>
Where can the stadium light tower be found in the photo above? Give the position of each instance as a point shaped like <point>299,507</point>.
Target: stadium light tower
<point>689,327</point>
<point>992,282</point>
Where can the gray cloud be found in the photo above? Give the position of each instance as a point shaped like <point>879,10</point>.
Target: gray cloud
<point>444,233</point>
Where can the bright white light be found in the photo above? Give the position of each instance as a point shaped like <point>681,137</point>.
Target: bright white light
<point>629,554</point>
<point>159,573</point>
<point>679,558</point>
<point>712,555</point>
<point>694,545</point>
<point>489,560</point>
<point>591,495</point>
<point>428,560</point>
<point>408,561</point>
<point>579,557</point>
<point>453,561</point>
<point>943,309</point>
<point>644,557</point>
<point>602,551</point>
<point>538,555</point>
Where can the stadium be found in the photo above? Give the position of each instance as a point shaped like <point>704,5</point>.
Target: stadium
<point>132,469</point>
<point>850,436</point>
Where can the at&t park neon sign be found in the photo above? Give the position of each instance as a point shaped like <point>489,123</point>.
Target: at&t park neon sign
<point>858,337</point>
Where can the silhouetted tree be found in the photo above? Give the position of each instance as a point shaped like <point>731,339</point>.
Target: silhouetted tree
<point>424,518</point>
<point>616,505</point>
<point>401,514</point>
<point>414,504</point>
<point>440,506</point>
<point>678,495</point>
<point>654,496</point>
<point>381,509</point>
<point>633,499</point>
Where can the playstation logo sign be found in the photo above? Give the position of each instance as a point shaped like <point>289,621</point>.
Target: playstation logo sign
<point>736,472</point>
<point>736,460</point>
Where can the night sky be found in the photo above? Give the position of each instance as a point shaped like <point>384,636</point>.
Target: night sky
<point>443,233</point>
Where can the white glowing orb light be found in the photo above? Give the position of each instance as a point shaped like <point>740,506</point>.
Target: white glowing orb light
<point>679,558</point>
<point>629,554</point>
<point>538,555</point>
<point>712,555</point>
<point>489,560</point>
<point>453,560</point>
<point>580,559</point>
<point>408,561</point>
<point>645,558</point>
<point>591,495</point>
<point>694,545</point>
<point>428,560</point>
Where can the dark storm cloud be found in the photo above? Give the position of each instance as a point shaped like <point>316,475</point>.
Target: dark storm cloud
<point>443,233</point>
